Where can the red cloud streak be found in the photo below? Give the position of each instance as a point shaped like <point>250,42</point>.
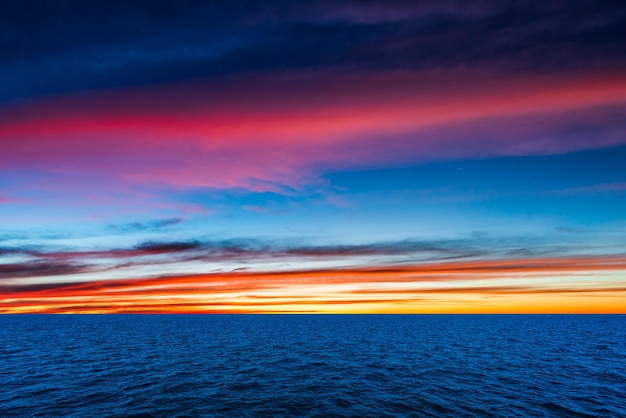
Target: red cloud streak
<point>278,128</point>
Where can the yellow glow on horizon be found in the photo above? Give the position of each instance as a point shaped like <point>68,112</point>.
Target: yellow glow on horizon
<point>565,285</point>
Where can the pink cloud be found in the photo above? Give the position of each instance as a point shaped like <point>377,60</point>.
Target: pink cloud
<point>9,200</point>
<point>269,131</point>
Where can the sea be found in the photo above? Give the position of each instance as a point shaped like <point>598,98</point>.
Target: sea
<point>312,366</point>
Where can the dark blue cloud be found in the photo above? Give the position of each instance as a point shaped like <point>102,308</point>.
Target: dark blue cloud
<point>38,269</point>
<point>151,225</point>
<point>50,47</point>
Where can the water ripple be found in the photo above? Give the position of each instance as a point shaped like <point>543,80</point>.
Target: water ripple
<point>312,366</point>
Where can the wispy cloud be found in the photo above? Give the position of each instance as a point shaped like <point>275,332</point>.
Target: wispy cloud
<point>138,139</point>
<point>603,188</point>
<point>250,112</point>
<point>272,36</point>
<point>5,200</point>
<point>206,255</point>
<point>216,251</point>
<point>37,269</point>
<point>151,225</point>
<point>428,286</point>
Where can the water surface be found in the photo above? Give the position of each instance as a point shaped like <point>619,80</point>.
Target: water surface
<point>312,365</point>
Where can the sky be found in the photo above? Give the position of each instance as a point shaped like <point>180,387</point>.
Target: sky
<point>313,157</point>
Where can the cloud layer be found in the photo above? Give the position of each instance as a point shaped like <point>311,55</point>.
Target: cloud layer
<point>513,285</point>
<point>347,140</point>
<point>269,132</point>
<point>78,46</point>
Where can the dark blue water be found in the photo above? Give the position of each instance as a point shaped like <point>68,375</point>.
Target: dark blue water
<point>314,365</point>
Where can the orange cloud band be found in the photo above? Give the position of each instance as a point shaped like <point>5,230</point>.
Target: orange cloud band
<point>574,285</point>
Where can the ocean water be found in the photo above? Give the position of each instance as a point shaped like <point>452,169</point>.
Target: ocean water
<point>312,365</point>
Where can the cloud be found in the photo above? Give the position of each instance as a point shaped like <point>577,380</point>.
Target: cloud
<point>9,250</point>
<point>152,225</point>
<point>603,188</point>
<point>430,284</point>
<point>96,48</point>
<point>282,131</point>
<point>167,247</point>
<point>253,255</point>
<point>247,249</point>
<point>4,200</point>
<point>38,269</point>
<point>493,290</point>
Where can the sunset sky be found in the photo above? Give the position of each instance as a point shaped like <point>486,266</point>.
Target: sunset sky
<point>327,156</point>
